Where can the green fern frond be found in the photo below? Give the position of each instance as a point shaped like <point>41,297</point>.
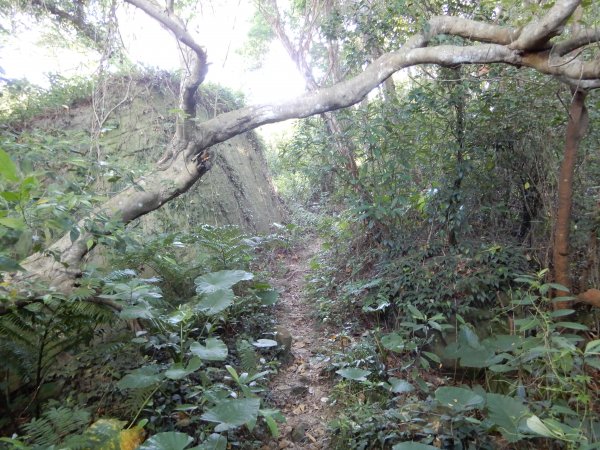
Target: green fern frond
<point>82,293</point>
<point>92,311</point>
<point>247,355</point>
<point>120,274</point>
<point>136,400</point>
<point>55,425</point>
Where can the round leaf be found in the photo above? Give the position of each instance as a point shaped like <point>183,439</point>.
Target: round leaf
<point>140,378</point>
<point>413,446</point>
<point>393,342</point>
<point>264,343</point>
<point>215,302</point>
<point>214,350</point>
<point>232,413</point>
<point>224,279</point>
<point>170,440</point>
<point>400,386</point>
<point>458,399</point>
<point>268,298</point>
<point>353,373</point>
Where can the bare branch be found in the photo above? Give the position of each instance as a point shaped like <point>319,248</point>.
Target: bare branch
<point>582,39</point>
<point>77,20</point>
<point>537,33</point>
<point>171,22</point>
<point>472,30</point>
<point>193,74</point>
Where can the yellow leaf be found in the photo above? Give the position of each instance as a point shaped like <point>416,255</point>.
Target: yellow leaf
<point>132,438</point>
<point>104,434</point>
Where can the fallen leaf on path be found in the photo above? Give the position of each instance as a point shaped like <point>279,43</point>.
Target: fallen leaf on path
<point>311,437</point>
<point>300,409</point>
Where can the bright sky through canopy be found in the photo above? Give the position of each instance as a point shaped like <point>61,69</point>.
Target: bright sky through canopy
<point>221,28</point>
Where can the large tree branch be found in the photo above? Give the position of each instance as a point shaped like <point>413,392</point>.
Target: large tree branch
<point>193,73</point>
<point>191,161</point>
<point>472,30</point>
<point>581,39</point>
<point>537,33</point>
<point>170,21</point>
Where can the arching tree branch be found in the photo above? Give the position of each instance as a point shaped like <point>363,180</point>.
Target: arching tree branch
<point>188,161</point>
<point>537,33</point>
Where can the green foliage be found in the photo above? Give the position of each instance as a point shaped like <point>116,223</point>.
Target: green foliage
<point>55,425</point>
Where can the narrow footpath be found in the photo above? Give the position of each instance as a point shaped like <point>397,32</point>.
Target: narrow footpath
<point>301,388</point>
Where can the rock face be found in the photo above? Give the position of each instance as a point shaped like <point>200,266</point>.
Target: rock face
<point>128,121</point>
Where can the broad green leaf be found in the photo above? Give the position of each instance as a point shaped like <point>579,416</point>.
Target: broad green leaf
<point>74,233</point>
<point>506,413</point>
<point>592,347</point>
<point>214,350</point>
<point>593,362</point>
<point>572,325</point>
<point>140,378</point>
<point>9,265</point>
<point>265,343</point>
<point>503,342</point>
<point>400,386</point>
<point>352,373</point>
<point>8,169</point>
<point>502,368</point>
<point>232,413</point>
<point>10,196</point>
<point>268,298</point>
<point>561,313</point>
<point>413,446</point>
<point>415,312</point>
<point>536,426</point>
<point>178,371</point>
<point>104,433</point>
<point>432,356</point>
<point>458,399</point>
<point>223,279</point>
<point>214,442</point>
<point>557,429</point>
<point>215,302</point>
<point>136,312</point>
<point>170,440</point>
<point>16,223</point>
<point>272,416</point>
<point>393,342</point>
<point>478,358</point>
<point>467,336</point>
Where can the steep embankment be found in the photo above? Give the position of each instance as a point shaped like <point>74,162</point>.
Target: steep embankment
<point>127,122</point>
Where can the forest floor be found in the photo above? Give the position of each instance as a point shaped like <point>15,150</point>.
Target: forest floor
<point>301,388</point>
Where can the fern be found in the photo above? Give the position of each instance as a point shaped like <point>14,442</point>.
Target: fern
<point>136,401</point>
<point>247,355</point>
<point>31,338</point>
<point>55,425</point>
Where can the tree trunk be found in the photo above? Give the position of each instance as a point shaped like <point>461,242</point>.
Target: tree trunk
<point>576,128</point>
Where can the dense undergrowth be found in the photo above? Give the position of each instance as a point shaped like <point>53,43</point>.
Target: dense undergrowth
<point>177,336</point>
<point>167,340</point>
<point>453,348</point>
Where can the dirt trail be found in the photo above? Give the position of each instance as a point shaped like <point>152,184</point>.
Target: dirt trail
<point>301,388</point>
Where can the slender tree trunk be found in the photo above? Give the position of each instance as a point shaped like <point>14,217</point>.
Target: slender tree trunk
<point>576,128</point>
<point>458,101</point>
